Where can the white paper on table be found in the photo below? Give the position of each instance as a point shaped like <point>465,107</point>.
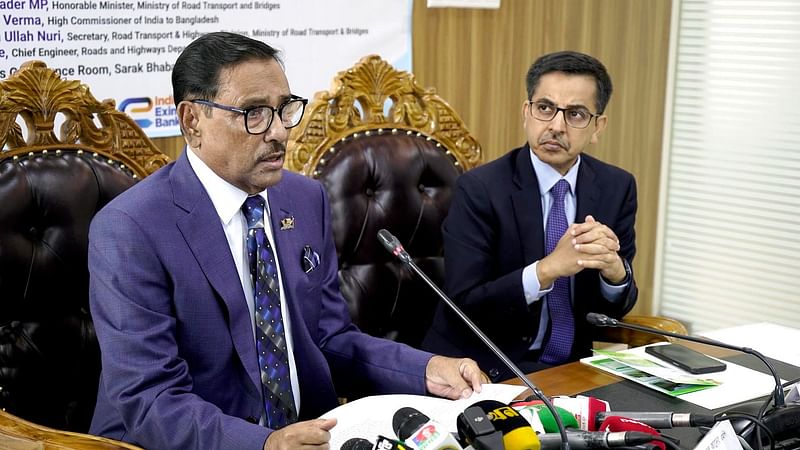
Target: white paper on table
<point>775,341</point>
<point>369,417</point>
<point>721,437</point>
<point>737,383</point>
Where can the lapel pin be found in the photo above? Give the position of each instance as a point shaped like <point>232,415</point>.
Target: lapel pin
<point>287,223</point>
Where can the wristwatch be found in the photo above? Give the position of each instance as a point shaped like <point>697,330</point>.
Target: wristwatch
<point>628,274</point>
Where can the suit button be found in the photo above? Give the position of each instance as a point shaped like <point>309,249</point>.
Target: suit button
<point>493,373</point>
<point>526,339</point>
<point>251,419</point>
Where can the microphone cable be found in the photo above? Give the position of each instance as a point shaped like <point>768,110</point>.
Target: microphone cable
<point>669,442</point>
<point>769,401</point>
<point>753,419</point>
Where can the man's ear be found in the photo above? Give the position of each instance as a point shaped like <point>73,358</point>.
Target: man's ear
<point>189,119</point>
<point>600,125</point>
<point>525,105</point>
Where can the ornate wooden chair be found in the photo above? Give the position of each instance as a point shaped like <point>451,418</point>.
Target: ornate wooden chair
<point>388,152</point>
<point>639,338</point>
<point>51,185</point>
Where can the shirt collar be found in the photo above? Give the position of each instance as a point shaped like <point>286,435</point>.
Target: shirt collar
<point>548,177</point>
<point>226,198</point>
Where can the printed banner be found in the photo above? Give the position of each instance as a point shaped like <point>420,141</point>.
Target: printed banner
<point>125,49</point>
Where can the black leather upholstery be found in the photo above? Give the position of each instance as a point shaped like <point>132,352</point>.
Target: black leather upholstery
<point>49,356</point>
<point>401,182</point>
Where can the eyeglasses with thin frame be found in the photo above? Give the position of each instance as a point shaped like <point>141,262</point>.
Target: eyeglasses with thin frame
<point>575,116</point>
<point>258,119</point>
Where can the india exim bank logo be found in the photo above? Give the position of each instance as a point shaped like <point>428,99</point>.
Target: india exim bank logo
<point>160,111</point>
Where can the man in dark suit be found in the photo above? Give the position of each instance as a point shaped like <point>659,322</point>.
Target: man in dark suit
<point>530,292</point>
<point>214,287</point>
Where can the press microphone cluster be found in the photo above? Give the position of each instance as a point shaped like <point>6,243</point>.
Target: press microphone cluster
<point>507,429</point>
<point>393,245</point>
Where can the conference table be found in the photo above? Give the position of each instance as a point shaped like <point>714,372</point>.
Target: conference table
<point>624,395</point>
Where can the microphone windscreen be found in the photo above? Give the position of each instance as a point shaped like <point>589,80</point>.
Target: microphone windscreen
<point>584,409</point>
<point>357,444</point>
<point>541,419</point>
<point>618,423</point>
<point>517,433</point>
<point>406,421</point>
<point>388,240</point>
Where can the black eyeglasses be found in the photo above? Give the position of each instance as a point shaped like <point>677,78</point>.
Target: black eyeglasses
<point>257,119</point>
<point>575,116</point>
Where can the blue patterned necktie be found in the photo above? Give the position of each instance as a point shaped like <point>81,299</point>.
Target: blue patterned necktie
<point>562,322</point>
<point>273,360</point>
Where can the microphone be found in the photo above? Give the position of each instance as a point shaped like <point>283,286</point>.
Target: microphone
<point>540,418</point>
<point>419,431</point>
<point>517,432</point>
<point>475,429</point>
<point>783,420</point>
<point>596,439</point>
<point>616,423</point>
<point>357,444</point>
<point>393,245</point>
<point>385,443</point>
<point>584,409</point>
<point>661,420</point>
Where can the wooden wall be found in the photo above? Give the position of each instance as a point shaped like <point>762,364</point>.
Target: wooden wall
<point>477,60</point>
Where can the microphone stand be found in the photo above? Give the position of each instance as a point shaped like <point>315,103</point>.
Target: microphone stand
<point>786,418</point>
<point>396,248</point>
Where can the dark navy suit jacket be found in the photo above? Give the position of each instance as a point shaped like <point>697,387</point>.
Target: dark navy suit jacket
<point>494,229</point>
<point>178,354</point>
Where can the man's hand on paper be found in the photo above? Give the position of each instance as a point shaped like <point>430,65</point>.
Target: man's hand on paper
<point>453,378</point>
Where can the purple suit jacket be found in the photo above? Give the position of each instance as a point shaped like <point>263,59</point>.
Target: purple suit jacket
<point>178,356</point>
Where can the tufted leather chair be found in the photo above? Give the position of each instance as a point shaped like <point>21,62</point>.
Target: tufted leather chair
<point>50,188</point>
<point>388,153</point>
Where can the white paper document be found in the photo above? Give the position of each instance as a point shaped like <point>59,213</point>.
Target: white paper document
<point>721,437</point>
<point>735,384</point>
<point>776,341</point>
<point>369,417</point>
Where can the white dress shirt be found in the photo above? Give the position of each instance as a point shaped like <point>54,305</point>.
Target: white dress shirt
<point>228,200</point>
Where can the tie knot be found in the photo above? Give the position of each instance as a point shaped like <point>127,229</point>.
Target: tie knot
<point>253,210</point>
<point>559,190</point>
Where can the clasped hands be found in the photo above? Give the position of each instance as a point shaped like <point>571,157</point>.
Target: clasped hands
<point>587,245</point>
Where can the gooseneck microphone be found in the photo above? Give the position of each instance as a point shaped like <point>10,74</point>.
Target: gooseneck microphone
<point>396,248</point>
<point>783,420</point>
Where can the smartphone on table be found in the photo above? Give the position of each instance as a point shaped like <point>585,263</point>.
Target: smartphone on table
<point>685,358</point>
